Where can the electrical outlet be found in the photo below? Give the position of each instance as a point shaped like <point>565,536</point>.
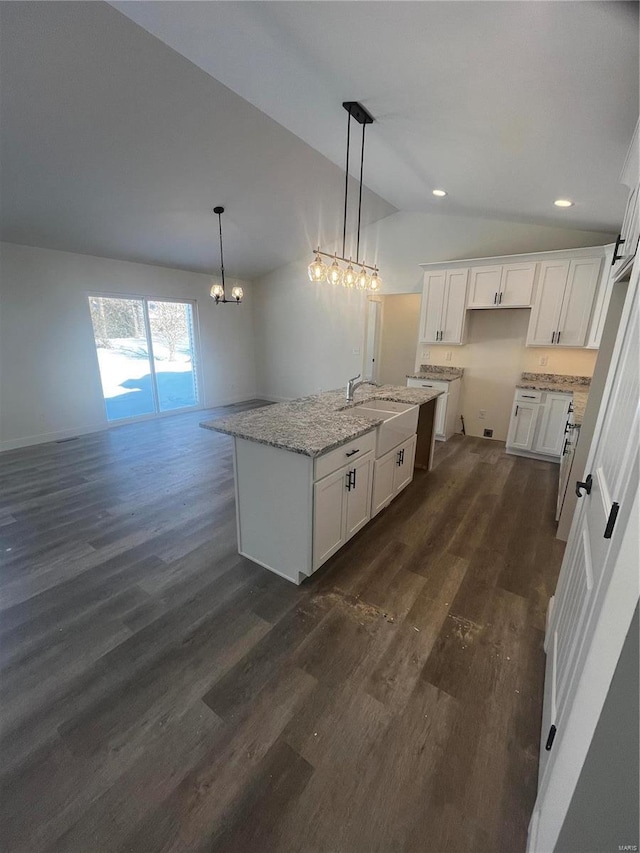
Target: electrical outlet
<point>447,356</point>
<point>488,433</point>
<point>355,351</point>
<point>482,414</point>
<point>426,354</point>
<point>544,360</point>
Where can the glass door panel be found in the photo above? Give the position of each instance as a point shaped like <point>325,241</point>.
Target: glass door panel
<point>172,345</point>
<point>123,355</point>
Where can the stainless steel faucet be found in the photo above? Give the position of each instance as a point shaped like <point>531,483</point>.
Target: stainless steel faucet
<point>353,384</point>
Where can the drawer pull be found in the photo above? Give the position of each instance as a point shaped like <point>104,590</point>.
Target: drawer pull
<point>528,396</point>
<point>427,386</point>
<point>352,452</point>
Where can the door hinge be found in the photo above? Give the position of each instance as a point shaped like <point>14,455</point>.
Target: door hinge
<point>611,521</point>
<point>550,738</point>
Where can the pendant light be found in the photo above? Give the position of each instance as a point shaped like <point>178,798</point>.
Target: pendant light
<point>334,274</point>
<point>217,290</point>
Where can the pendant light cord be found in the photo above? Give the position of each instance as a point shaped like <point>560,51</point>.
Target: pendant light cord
<point>221,255</point>
<point>346,185</point>
<point>360,195</point>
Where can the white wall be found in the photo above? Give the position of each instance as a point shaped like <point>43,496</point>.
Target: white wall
<point>306,333</point>
<point>49,378</point>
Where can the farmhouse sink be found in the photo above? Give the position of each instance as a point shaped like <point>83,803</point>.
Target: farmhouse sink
<point>399,422</point>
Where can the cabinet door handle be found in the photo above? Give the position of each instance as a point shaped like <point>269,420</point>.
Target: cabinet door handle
<point>399,459</point>
<point>402,456</point>
<point>564,449</point>
<point>516,414</point>
<point>616,256</point>
<point>495,298</point>
<point>353,452</point>
<point>500,298</point>
<point>347,485</point>
<point>553,337</point>
<point>354,477</point>
<point>558,338</point>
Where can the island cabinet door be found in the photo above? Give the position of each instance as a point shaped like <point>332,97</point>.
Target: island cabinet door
<point>383,481</point>
<point>404,458</point>
<point>358,496</point>
<point>329,499</point>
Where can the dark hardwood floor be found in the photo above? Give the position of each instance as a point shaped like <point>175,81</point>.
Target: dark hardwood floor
<point>162,693</point>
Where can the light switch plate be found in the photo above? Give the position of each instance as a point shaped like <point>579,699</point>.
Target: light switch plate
<point>447,355</point>
<point>544,360</point>
<point>426,354</point>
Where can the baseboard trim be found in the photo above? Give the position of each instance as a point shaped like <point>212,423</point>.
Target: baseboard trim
<point>48,437</point>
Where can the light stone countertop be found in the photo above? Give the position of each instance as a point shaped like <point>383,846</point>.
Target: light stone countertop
<point>437,372</point>
<point>576,385</point>
<point>316,424</point>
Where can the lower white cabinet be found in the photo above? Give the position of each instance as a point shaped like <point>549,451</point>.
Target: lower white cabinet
<point>341,506</point>
<point>447,404</point>
<point>537,425</point>
<point>392,473</point>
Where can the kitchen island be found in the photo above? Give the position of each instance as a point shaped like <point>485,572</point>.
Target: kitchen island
<point>310,473</point>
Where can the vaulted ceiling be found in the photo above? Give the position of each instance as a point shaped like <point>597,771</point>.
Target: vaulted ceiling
<point>123,125</point>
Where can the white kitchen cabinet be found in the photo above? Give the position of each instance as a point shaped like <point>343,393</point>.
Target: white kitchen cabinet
<point>447,404</point>
<point>443,309</point>
<point>501,286</point>
<point>601,304</point>
<point>563,303</point>
<point>341,506</point>
<point>549,437</point>
<point>626,245</point>
<point>522,428</point>
<point>537,426</point>
<point>392,473</point>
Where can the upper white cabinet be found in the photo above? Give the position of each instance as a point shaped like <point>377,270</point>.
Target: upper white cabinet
<point>627,242</point>
<point>563,302</point>
<point>444,297</point>
<point>501,286</point>
<point>601,305</point>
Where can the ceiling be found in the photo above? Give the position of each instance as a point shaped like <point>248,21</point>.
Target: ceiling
<point>118,139</point>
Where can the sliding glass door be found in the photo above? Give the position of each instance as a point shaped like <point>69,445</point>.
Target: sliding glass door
<point>146,352</point>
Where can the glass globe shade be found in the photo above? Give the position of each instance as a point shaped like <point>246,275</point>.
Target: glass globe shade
<point>349,277</point>
<point>375,282</point>
<point>362,279</point>
<point>216,291</point>
<point>335,274</point>
<point>317,269</point>
<point>237,293</point>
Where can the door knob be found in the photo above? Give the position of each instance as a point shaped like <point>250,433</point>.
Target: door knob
<point>586,486</point>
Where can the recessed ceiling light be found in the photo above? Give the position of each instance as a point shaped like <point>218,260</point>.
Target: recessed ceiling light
<point>439,193</point>
<point>563,202</point>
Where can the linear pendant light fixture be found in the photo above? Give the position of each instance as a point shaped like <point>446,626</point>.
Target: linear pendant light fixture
<point>217,290</point>
<point>357,278</point>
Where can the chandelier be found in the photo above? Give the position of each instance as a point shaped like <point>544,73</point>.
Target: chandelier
<point>352,276</point>
<point>217,290</point>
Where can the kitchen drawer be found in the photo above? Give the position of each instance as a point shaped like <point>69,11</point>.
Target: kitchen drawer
<point>343,455</point>
<point>526,395</point>
<point>432,384</point>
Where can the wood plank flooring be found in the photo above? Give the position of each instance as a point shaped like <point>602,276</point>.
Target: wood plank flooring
<point>162,693</point>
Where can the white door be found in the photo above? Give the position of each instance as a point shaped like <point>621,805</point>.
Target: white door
<point>372,339</point>
<point>358,496</point>
<point>597,589</point>
<point>484,287</point>
<point>431,309</point>
<point>382,481</point>
<point>516,285</point>
<point>454,307</point>
<point>578,302</point>
<point>328,516</point>
<point>545,314</point>
<point>524,418</point>
<point>550,436</point>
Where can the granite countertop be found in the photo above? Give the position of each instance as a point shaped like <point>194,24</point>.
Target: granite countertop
<point>576,385</point>
<point>316,424</point>
<point>437,372</point>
